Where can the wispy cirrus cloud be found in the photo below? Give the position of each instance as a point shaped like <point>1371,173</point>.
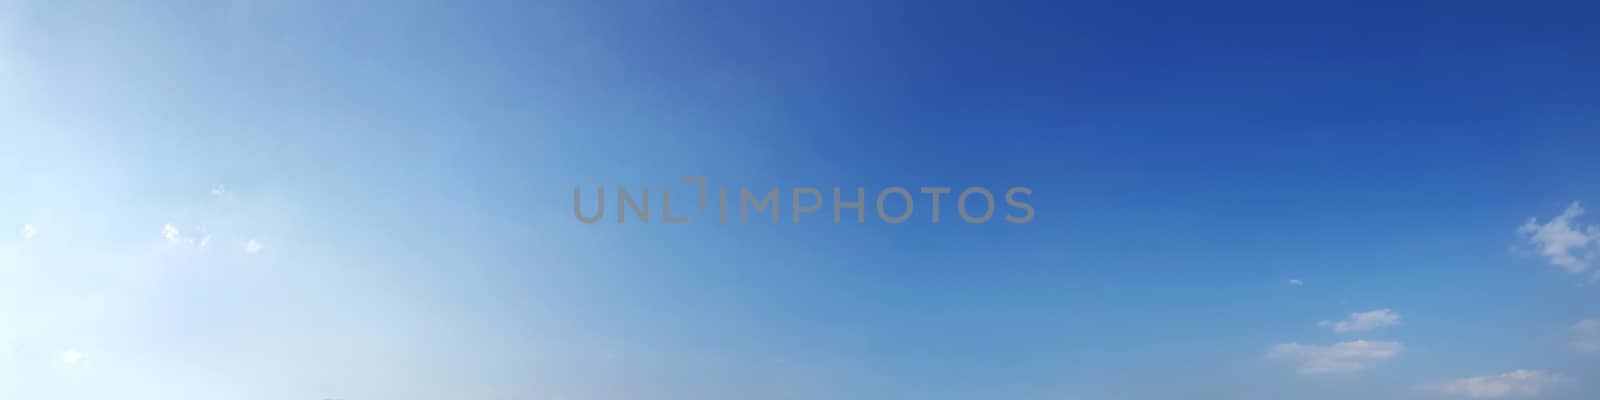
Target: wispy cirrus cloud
<point>1519,383</point>
<point>1342,357</point>
<point>1566,243</point>
<point>1364,321</point>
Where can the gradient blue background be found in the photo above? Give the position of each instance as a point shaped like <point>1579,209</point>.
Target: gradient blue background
<point>409,169</point>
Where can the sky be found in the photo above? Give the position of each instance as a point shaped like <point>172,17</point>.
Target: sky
<point>1232,200</point>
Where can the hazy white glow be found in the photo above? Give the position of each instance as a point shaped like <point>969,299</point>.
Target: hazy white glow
<point>72,356</point>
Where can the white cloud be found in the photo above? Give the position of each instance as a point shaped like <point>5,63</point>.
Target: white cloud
<point>253,247</point>
<point>28,231</point>
<point>1296,282</point>
<point>1566,245</point>
<point>1364,321</point>
<point>1342,357</point>
<point>1517,383</point>
<point>171,233</point>
<point>72,356</point>
<point>174,236</point>
<point>1586,336</point>
<point>219,191</point>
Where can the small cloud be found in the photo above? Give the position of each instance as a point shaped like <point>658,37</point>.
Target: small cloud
<point>174,236</point>
<point>253,247</point>
<point>219,191</point>
<point>72,356</point>
<point>1364,321</point>
<point>1342,357</point>
<point>1296,282</point>
<point>28,231</point>
<point>1564,242</point>
<point>1586,336</point>
<point>171,233</point>
<point>1519,383</point>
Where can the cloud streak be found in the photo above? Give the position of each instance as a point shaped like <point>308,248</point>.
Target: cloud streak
<point>1519,383</point>
<point>1364,321</point>
<point>1342,357</point>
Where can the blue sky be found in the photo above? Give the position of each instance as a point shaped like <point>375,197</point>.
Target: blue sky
<point>308,200</point>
